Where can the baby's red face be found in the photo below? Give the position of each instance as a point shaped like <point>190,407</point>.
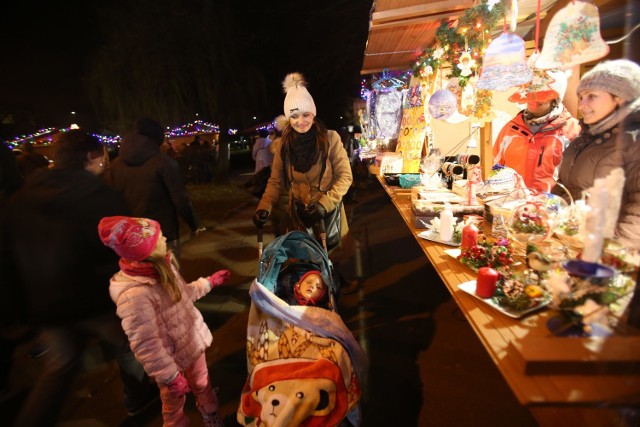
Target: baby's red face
<point>312,287</point>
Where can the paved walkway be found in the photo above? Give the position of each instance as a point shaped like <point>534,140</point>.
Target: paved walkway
<point>427,367</point>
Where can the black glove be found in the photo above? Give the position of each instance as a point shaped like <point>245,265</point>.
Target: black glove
<point>260,218</point>
<point>312,214</point>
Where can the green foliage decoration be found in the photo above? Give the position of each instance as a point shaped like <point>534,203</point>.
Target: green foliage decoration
<point>471,34</point>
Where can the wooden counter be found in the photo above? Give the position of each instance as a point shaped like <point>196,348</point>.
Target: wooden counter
<point>563,381</point>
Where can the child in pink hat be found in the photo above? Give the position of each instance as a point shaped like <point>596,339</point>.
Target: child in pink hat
<point>166,331</point>
<point>309,289</point>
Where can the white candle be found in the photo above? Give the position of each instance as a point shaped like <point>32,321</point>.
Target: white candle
<point>446,225</point>
<point>595,221</point>
<point>592,247</point>
<point>615,185</point>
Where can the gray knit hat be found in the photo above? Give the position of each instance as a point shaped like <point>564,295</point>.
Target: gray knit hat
<point>298,99</point>
<point>619,77</point>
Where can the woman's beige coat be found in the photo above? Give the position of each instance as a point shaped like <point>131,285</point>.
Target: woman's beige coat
<point>336,180</point>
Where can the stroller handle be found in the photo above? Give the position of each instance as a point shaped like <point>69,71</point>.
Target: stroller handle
<point>321,231</point>
<point>260,244</point>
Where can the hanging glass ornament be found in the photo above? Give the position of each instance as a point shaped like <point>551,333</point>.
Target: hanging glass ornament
<point>442,104</point>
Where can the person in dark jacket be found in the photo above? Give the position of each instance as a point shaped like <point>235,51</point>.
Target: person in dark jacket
<point>151,182</point>
<point>57,270</point>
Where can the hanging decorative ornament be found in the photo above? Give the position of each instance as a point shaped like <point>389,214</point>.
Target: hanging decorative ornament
<point>442,104</point>
<point>483,108</point>
<point>504,64</point>
<point>467,98</point>
<point>426,71</point>
<point>455,85</point>
<point>573,37</point>
<point>466,64</point>
<point>414,98</point>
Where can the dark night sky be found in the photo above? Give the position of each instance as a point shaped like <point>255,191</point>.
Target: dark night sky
<point>43,51</point>
<point>46,44</point>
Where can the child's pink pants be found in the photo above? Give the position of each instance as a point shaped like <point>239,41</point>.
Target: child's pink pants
<point>198,378</point>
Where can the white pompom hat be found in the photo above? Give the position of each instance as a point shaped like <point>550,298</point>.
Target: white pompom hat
<point>298,99</point>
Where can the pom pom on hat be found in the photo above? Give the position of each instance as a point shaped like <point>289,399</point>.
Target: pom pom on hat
<point>133,239</point>
<point>298,98</point>
<point>619,77</point>
<point>281,122</point>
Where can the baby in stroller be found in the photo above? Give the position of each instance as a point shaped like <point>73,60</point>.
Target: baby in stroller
<point>302,285</point>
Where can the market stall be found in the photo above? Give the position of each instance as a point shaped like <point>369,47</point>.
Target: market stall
<point>539,276</point>
<point>431,52</point>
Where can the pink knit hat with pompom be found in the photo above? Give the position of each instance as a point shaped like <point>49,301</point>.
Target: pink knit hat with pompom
<point>134,239</point>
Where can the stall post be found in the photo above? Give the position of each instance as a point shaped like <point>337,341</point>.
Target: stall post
<point>486,150</point>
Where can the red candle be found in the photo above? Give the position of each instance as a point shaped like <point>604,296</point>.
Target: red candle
<point>486,282</point>
<point>469,235</point>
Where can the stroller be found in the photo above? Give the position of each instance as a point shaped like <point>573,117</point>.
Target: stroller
<point>303,363</point>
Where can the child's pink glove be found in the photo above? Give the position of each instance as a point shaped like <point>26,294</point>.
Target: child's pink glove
<point>219,277</point>
<point>178,386</point>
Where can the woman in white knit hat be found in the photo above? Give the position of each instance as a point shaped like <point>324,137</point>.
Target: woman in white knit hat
<point>609,103</point>
<point>312,164</point>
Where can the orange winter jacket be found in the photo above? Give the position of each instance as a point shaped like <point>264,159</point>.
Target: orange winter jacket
<point>535,157</point>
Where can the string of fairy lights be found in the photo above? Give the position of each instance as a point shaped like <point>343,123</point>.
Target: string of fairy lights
<point>47,136</point>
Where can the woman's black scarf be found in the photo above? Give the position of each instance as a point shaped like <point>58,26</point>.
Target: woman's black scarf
<point>304,151</point>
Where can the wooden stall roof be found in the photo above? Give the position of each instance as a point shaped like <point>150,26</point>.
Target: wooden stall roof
<point>399,30</point>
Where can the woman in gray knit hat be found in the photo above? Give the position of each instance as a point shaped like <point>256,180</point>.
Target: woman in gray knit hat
<point>609,103</point>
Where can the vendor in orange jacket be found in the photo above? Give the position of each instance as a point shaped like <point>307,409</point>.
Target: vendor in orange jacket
<point>533,141</point>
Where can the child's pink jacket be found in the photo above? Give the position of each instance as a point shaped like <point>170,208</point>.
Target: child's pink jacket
<point>165,337</point>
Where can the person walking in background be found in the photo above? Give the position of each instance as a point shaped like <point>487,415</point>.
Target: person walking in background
<point>167,332</point>
<point>609,103</point>
<point>350,146</point>
<point>311,163</point>
<point>151,182</point>
<point>261,151</point>
<point>533,141</point>
<point>57,270</point>
<point>28,160</point>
